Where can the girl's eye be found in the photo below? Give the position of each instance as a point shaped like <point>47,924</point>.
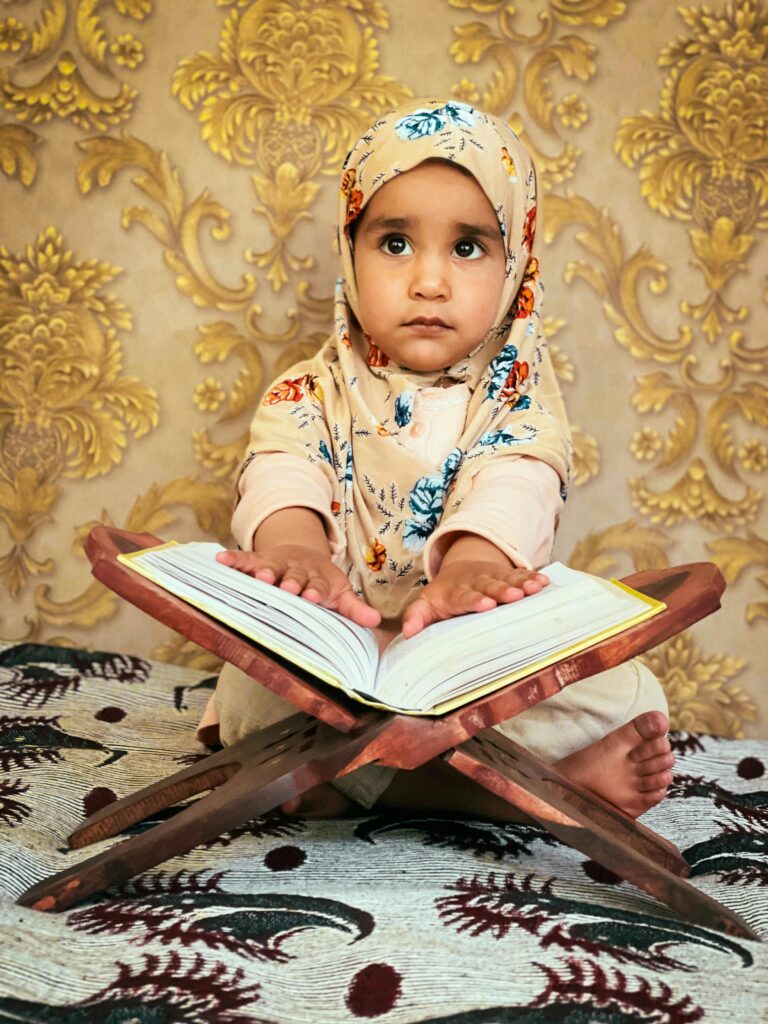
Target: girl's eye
<point>468,249</point>
<point>396,245</point>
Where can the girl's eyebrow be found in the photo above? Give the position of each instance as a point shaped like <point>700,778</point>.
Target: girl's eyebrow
<point>479,230</point>
<point>402,223</point>
<point>392,223</point>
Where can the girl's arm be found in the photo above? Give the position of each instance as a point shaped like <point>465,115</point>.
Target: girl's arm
<point>291,550</point>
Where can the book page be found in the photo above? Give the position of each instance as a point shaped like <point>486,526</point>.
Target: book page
<point>475,654</point>
<point>319,640</point>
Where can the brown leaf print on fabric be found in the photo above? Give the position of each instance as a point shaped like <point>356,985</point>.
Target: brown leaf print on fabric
<point>500,904</point>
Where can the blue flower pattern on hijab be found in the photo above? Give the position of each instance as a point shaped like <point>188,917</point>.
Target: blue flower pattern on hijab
<point>424,122</point>
<point>427,501</point>
<point>499,369</point>
<point>505,437</point>
<point>404,408</point>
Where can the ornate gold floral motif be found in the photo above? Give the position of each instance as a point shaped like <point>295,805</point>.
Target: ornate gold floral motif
<point>586,452</point>
<point>694,496</point>
<point>179,651</point>
<point>548,52</point>
<point>645,443</point>
<point>180,223</point>
<point>596,553</point>
<point>177,227</point>
<point>733,555</point>
<point>586,457</point>
<point>80,89</point>
<point>159,506</point>
<point>616,278</point>
<point>701,696</point>
<point>64,407</point>
<point>564,368</point>
<point>704,157</point>
<point>293,84</point>
<point>17,156</point>
<point>217,342</point>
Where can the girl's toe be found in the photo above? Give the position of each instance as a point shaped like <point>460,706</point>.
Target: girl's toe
<point>658,780</point>
<point>660,763</point>
<point>650,748</point>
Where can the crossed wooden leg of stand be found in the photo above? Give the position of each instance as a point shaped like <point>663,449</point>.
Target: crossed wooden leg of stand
<point>267,768</point>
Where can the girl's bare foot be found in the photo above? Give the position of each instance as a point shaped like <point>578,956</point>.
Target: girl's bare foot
<point>631,767</point>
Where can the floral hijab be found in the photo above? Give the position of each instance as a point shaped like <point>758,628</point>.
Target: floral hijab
<point>346,409</point>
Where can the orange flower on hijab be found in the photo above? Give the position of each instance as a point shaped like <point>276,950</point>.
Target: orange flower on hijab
<point>531,270</point>
<point>354,195</point>
<point>375,555</point>
<point>529,228</point>
<point>509,163</point>
<point>524,302</point>
<point>510,389</point>
<point>292,390</point>
<point>375,357</point>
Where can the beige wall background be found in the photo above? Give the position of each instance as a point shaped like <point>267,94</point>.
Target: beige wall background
<point>167,188</point>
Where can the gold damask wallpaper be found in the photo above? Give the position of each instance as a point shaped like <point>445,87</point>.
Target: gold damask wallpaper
<point>166,197</point>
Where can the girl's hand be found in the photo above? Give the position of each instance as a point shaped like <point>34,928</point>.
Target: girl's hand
<point>469,585</point>
<point>306,572</point>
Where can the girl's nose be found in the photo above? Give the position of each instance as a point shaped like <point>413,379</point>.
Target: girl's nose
<point>430,279</point>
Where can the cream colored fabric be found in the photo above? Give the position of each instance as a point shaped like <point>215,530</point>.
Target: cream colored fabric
<point>498,506</point>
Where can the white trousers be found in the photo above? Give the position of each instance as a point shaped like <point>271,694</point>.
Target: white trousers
<point>570,720</point>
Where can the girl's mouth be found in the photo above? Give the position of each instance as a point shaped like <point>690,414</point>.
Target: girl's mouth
<point>428,324</point>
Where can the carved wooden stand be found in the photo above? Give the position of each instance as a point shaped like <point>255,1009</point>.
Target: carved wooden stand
<point>333,735</point>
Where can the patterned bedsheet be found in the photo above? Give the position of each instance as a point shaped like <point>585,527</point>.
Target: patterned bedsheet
<point>391,919</point>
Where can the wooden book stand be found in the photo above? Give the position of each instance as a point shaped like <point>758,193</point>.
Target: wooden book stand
<point>333,735</point>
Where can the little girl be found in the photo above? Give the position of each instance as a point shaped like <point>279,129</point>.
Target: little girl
<point>415,468</point>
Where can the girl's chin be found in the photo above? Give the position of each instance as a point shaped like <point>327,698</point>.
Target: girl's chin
<point>421,360</point>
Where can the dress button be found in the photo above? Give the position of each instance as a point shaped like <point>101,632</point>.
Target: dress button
<point>417,429</point>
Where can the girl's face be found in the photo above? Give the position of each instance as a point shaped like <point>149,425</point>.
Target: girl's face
<point>429,266</point>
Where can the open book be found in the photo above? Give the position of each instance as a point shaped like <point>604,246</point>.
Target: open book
<point>446,665</point>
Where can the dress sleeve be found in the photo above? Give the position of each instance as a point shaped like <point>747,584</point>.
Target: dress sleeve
<point>274,481</point>
<point>515,504</point>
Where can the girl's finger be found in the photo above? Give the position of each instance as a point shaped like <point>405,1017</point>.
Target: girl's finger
<point>501,591</point>
<point>420,615</point>
<point>354,608</point>
<point>465,600</point>
<point>293,578</point>
<point>250,563</point>
<point>317,589</point>
<point>533,586</point>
